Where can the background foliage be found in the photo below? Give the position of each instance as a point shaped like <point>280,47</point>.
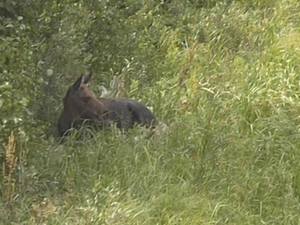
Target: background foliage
<point>223,75</point>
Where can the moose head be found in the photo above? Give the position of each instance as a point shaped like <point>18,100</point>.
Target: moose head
<point>80,104</point>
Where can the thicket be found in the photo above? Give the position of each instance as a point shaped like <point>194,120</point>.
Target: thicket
<point>45,44</point>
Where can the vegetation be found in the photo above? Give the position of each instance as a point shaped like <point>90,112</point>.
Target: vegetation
<point>224,77</point>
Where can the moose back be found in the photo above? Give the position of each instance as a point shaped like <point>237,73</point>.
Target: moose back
<point>80,104</point>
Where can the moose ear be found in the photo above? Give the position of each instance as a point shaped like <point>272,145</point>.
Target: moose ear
<point>78,82</point>
<point>87,77</point>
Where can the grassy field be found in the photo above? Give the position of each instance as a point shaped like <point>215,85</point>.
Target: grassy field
<point>230,154</point>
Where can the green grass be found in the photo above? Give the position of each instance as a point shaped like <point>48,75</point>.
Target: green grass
<point>230,154</point>
<point>189,175</point>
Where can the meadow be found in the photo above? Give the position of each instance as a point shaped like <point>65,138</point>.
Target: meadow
<point>226,83</point>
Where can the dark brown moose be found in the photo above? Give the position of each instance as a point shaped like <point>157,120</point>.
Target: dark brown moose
<point>81,104</point>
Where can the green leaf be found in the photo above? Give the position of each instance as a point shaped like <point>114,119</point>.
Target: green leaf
<point>9,25</point>
<point>6,86</point>
<point>49,72</point>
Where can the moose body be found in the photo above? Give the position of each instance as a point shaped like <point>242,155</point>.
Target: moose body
<point>81,104</point>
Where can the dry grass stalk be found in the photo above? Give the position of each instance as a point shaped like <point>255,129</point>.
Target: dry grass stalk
<point>9,166</point>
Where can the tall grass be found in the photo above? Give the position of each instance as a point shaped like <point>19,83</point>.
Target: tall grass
<point>230,154</point>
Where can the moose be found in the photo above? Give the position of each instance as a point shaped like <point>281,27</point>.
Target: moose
<point>80,104</point>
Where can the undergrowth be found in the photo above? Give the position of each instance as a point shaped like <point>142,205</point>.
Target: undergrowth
<point>228,156</point>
